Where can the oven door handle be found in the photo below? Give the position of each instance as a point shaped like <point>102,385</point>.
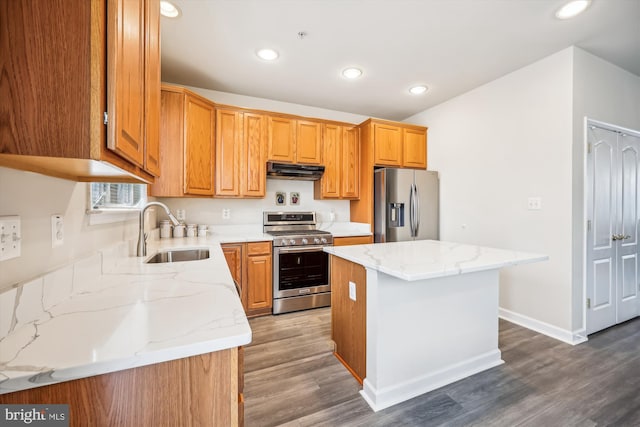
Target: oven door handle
<point>282,249</point>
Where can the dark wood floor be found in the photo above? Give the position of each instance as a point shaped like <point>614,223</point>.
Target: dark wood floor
<point>292,378</point>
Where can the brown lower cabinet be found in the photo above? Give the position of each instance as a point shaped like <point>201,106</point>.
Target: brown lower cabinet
<point>352,240</point>
<point>204,390</point>
<point>349,317</point>
<point>251,267</point>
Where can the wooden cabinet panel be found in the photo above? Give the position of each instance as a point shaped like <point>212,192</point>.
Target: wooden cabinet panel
<point>352,240</point>
<point>348,317</point>
<point>341,159</point>
<point>228,152</point>
<point>259,295</point>
<point>282,137</point>
<point>58,84</point>
<point>254,179</point>
<point>308,144</point>
<point>234,254</point>
<point>330,183</point>
<point>415,148</point>
<point>194,391</point>
<point>388,145</point>
<point>259,248</point>
<point>250,265</point>
<point>351,163</point>
<point>198,146</point>
<point>152,87</point>
<point>126,21</point>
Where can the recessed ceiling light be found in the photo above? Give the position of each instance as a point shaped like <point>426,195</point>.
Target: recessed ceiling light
<point>352,73</point>
<point>267,54</point>
<point>572,9</point>
<point>169,9</point>
<point>417,90</point>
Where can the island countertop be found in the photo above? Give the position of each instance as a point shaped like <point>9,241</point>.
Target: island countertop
<point>111,312</point>
<point>427,259</point>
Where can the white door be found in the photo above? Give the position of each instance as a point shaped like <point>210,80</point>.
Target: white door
<point>612,237</point>
<point>627,242</point>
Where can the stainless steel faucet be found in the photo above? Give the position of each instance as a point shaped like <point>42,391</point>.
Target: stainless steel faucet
<point>142,236</point>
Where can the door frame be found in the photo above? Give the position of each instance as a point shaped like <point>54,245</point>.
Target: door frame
<point>585,197</point>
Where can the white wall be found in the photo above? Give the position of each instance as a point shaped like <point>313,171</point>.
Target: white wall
<point>35,198</point>
<point>494,147</point>
<point>249,211</point>
<point>607,93</point>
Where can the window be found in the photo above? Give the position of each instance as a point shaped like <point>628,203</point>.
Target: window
<point>115,202</point>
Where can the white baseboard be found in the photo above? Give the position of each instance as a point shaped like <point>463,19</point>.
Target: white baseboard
<point>573,338</point>
<point>389,396</point>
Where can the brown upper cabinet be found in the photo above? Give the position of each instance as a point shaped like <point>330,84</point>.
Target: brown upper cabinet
<point>105,59</point>
<point>240,153</point>
<point>389,144</point>
<point>187,135</point>
<point>398,144</point>
<point>294,140</point>
<point>341,154</point>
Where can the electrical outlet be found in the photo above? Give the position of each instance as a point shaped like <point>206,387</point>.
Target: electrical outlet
<point>352,290</point>
<point>534,203</point>
<point>10,237</point>
<point>57,230</point>
<point>181,214</point>
<point>226,213</point>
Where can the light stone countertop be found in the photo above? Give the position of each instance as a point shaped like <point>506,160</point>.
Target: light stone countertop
<point>428,259</point>
<point>111,312</point>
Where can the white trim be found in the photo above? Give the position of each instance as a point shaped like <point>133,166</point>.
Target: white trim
<point>389,396</point>
<point>573,338</point>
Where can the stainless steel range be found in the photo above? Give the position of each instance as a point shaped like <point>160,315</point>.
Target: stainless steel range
<point>300,266</point>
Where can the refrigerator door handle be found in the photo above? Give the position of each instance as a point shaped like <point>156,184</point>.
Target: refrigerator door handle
<point>412,210</point>
<point>416,201</point>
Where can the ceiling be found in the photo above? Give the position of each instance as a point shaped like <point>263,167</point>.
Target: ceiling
<point>452,46</point>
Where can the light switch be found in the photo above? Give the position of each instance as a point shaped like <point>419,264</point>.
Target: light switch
<point>10,237</point>
<point>352,291</point>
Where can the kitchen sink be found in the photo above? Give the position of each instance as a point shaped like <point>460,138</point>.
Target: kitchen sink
<point>179,255</point>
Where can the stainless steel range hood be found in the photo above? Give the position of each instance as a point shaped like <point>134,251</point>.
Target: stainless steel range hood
<point>290,171</point>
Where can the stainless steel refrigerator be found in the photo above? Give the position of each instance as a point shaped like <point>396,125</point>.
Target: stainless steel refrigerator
<point>406,205</point>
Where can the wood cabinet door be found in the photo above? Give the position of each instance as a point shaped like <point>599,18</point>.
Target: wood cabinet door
<point>387,145</point>
<point>352,240</point>
<point>126,78</point>
<point>308,145</point>
<point>152,87</point>
<point>259,291</point>
<point>233,253</point>
<point>199,133</point>
<point>228,152</point>
<point>254,177</point>
<point>350,181</point>
<point>332,143</point>
<point>415,148</point>
<point>282,139</point>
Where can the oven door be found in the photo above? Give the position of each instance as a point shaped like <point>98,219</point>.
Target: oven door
<point>299,271</point>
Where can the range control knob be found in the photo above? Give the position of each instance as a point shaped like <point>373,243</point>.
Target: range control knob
<point>305,241</point>
<point>316,241</point>
<point>323,240</point>
<point>292,241</point>
<point>284,242</point>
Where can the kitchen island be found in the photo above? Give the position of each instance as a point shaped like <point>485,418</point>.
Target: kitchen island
<point>410,317</point>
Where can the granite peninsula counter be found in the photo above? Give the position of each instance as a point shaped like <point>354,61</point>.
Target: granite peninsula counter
<point>113,329</point>
<point>410,317</point>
